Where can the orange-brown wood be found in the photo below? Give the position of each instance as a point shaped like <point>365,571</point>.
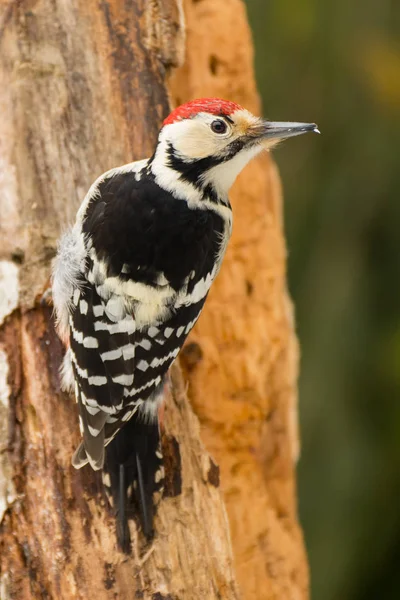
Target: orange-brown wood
<point>242,357</point>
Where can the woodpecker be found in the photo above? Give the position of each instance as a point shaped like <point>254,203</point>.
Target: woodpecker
<point>130,280</point>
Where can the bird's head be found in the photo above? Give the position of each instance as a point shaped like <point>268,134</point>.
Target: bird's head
<point>207,142</point>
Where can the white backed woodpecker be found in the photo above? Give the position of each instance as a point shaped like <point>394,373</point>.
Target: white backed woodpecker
<point>130,280</point>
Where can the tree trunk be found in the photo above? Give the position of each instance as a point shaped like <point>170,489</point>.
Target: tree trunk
<point>82,89</point>
<point>244,388</point>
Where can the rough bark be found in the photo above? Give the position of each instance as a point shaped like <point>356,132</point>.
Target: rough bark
<point>82,89</point>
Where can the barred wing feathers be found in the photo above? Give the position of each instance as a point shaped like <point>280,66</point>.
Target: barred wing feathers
<point>102,353</point>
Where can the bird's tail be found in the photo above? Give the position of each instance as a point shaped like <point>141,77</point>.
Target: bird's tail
<point>133,475</point>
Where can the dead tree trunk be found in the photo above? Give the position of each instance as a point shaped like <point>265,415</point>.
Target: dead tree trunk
<point>82,89</point>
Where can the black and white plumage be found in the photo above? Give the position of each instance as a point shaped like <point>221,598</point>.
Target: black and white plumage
<point>130,281</point>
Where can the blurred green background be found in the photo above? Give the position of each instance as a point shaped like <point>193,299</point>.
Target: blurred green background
<point>337,62</point>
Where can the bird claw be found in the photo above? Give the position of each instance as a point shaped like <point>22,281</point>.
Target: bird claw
<point>46,298</point>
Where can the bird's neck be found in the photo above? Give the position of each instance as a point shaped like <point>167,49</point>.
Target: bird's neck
<point>199,181</point>
<point>186,180</point>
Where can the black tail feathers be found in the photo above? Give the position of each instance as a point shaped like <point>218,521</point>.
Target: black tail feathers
<point>133,475</point>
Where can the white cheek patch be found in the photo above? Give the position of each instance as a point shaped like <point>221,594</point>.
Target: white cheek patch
<point>193,139</point>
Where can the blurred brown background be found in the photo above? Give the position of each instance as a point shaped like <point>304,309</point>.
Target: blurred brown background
<point>337,63</point>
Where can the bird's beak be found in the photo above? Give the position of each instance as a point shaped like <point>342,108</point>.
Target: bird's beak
<point>275,131</point>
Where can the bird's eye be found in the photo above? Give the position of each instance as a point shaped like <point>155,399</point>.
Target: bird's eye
<point>219,126</point>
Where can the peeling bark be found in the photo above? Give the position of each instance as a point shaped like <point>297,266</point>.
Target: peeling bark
<point>7,491</point>
<point>82,89</point>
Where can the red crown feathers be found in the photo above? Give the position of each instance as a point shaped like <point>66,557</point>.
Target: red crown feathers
<point>214,106</point>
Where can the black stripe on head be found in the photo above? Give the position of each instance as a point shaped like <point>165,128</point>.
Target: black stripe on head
<point>192,171</point>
